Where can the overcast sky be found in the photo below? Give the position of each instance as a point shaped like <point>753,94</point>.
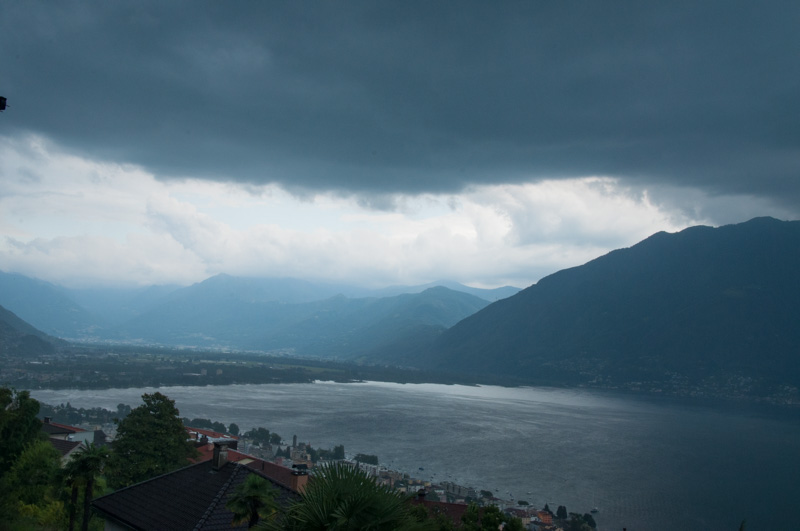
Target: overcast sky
<point>379,143</point>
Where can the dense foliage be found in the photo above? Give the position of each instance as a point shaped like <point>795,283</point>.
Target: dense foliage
<point>252,501</point>
<point>488,519</point>
<point>37,492</point>
<point>711,308</point>
<point>345,498</point>
<point>18,424</point>
<point>150,441</point>
<point>73,416</point>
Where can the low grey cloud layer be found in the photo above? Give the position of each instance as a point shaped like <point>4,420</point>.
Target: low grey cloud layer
<point>384,142</point>
<point>376,98</point>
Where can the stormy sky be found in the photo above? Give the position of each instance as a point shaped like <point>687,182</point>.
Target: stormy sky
<point>384,142</point>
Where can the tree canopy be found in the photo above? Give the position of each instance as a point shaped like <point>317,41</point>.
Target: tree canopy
<point>344,498</point>
<point>253,500</point>
<point>18,425</point>
<point>488,519</point>
<point>150,441</point>
<point>30,488</point>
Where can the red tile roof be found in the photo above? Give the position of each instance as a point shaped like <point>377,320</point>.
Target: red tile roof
<point>277,473</point>
<point>65,426</point>
<point>54,428</point>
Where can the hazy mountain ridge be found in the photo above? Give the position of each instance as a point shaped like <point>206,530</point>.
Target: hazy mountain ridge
<point>700,302</point>
<point>335,327</point>
<point>118,305</point>
<point>700,308</point>
<point>19,338</point>
<point>246,313</point>
<point>47,307</point>
<point>372,328</point>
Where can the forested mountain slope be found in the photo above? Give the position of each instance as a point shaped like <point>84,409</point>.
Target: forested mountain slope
<point>702,303</point>
<point>19,338</point>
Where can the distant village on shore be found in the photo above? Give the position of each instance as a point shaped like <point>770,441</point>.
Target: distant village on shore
<point>293,463</point>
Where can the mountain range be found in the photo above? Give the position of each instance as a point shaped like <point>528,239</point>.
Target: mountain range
<point>267,314</point>
<point>697,309</point>
<point>704,303</point>
<point>19,338</point>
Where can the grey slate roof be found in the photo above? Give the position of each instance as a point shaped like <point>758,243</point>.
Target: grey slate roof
<point>63,446</point>
<point>191,498</point>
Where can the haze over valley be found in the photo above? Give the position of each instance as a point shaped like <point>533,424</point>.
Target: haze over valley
<point>706,311</point>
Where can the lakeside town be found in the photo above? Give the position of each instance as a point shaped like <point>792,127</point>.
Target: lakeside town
<point>293,463</point>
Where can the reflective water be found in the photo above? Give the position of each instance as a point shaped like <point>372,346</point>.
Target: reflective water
<point>646,464</point>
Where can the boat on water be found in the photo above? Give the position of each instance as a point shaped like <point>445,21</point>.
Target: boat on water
<point>594,510</point>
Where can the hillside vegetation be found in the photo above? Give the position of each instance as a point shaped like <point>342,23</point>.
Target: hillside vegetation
<point>703,303</point>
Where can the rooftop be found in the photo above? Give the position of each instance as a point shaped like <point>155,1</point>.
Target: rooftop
<point>64,446</point>
<point>191,498</point>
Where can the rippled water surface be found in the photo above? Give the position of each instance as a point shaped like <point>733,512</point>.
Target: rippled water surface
<point>646,464</point>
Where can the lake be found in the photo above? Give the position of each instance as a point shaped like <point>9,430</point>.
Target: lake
<point>647,463</point>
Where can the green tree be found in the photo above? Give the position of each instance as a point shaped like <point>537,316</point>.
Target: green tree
<point>28,487</point>
<point>33,474</point>
<point>589,519</point>
<point>314,454</point>
<point>233,429</point>
<point>513,524</point>
<point>89,464</point>
<point>470,520</point>
<point>122,411</point>
<point>150,441</point>
<point>258,435</point>
<point>561,512</point>
<point>18,425</point>
<point>338,452</point>
<point>345,498</point>
<point>489,519</point>
<point>72,477</point>
<point>440,520</point>
<point>252,500</point>
<point>577,523</point>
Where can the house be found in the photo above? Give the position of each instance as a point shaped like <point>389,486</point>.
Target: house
<point>295,479</point>
<point>191,498</point>
<point>59,431</point>
<point>66,448</point>
<point>197,434</point>
<point>522,514</point>
<point>64,432</point>
<point>542,520</point>
<point>453,511</point>
<point>62,437</point>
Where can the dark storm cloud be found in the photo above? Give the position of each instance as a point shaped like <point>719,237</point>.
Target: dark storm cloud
<point>377,97</point>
